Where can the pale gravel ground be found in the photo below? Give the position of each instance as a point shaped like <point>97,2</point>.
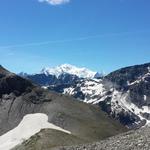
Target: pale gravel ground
<point>133,140</point>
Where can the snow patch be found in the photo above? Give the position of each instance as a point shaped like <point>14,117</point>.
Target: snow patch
<point>69,91</point>
<point>145,97</point>
<point>45,87</point>
<point>29,126</point>
<point>93,90</point>
<point>140,79</point>
<point>123,102</point>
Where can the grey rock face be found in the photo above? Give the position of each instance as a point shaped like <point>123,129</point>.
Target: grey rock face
<point>135,81</point>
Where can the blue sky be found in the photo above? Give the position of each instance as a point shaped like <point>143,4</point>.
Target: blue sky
<point>97,34</point>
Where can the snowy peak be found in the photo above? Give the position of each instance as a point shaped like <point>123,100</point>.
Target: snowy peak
<point>69,69</point>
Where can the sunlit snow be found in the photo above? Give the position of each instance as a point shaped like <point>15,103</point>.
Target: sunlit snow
<point>92,89</point>
<point>70,69</point>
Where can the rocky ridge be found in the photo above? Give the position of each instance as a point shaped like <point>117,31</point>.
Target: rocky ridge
<point>133,140</point>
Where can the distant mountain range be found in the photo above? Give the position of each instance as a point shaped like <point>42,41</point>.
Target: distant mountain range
<point>124,94</point>
<point>70,69</point>
<point>63,74</point>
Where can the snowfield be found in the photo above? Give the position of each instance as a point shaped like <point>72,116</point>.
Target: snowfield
<point>93,89</point>
<point>30,125</point>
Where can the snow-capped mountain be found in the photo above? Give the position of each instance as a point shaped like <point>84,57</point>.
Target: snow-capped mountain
<point>69,69</point>
<point>61,75</point>
<point>123,94</point>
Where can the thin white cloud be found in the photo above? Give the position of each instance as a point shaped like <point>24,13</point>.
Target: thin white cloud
<point>55,2</point>
<point>84,38</point>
